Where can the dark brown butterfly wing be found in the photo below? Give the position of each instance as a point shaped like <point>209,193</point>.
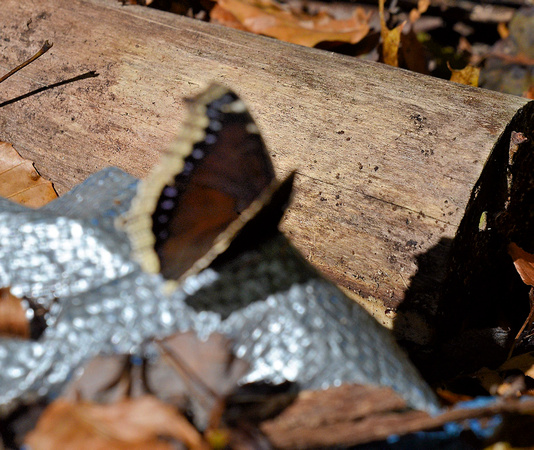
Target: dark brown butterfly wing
<point>209,178</point>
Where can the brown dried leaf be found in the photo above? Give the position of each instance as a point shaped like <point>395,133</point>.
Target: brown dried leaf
<point>20,182</point>
<point>390,44</point>
<point>270,18</point>
<point>524,363</point>
<point>513,386</point>
<point>390,39</point>
<point>497,382</point>
<point>104,379</point>
<point>209,364</point>
<point>523,262</point>
<point>413,53</point>
<point>208,368</point>
<point>415,13</point>
<point>468,75</point>
<point>351,415</point>
<point>137,2</point>
<point>140,423</point>
<point>13,322</point>
<point>502,29</point>
<point>220,15</point>
<point>339,416</point>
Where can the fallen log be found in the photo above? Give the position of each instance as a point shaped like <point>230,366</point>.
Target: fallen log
<point>386,159</point>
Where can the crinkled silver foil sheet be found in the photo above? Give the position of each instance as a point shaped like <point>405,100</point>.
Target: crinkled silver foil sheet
<point>283,318</point>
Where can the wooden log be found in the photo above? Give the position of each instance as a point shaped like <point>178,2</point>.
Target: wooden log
<point>386,159</point>
<point>351,415</point>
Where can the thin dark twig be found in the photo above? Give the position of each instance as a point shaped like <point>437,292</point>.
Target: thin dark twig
<point>187,374</point>
<point>46,46</point>
<point>90,74</point>
<point>528,323</point>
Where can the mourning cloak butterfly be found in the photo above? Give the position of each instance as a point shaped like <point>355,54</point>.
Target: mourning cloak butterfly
<point>212,181</point>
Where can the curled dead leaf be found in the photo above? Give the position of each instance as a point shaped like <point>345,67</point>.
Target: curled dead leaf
<point>13,321</point>
<point>390,44</point>
<point>503,30</point>
<point>415,13</point>
<point>140,423</point>
<point>208,368</point>
<point>468,75</point>
<point>20,182</point>
<point>270,18</point>
<point>523,262</point>
<point>524,363</point>
<point>223,17</point>
<point>390,39</point>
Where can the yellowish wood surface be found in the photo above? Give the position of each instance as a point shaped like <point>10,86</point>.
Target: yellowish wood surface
<point>386,159</point>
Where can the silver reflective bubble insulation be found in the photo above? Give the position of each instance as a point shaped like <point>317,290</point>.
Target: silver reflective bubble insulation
<point>283,318</point>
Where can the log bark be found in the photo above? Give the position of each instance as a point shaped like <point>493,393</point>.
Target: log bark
<point>351,415</point>
<point>386,159</point>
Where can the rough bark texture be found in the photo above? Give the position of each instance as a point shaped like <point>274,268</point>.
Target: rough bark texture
<point>386,159</point>
<point>351,415</point>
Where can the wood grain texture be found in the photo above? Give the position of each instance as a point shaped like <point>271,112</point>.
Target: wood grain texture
<point>351,415</point>
<point>386,159</point>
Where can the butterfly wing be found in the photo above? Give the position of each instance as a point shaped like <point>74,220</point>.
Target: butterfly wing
<point>213,172</point>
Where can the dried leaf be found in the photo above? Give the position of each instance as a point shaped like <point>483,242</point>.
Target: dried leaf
<point>208,368</point>
<point>415,13</point>
<point>220,15</point>
<point>513,386</point>
<point>413,53</point>
<point>523,262</point>
<point>20,182</point>
<point>209,363</point>
<point>524,363</point>
<point>390,39</point>
<point>497,382</point>
<point>104,379</point>
<point>348,416</point>
<point>139,423</point>
<point>272,19</point>
<point>503,30</point>
<point>13,322</point>
<point>338,416</point>
<point>141,2</point>
<point>468,75</point>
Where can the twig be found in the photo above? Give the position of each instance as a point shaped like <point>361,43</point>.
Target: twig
<point>46,46</point>
<point>527,324</point>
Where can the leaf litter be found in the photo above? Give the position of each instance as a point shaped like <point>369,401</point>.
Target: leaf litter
<point>458,42</point>
<point>20,182</point>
